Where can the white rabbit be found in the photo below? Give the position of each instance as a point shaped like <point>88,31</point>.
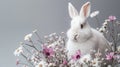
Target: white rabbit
<point>80,35</point>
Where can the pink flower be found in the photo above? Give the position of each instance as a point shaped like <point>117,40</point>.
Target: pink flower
<point>65,62</point>
<point>112,18</point>
<point>77,55</point>
<point>48,51</point>
<point>110,56</point>
<point>17,61</point>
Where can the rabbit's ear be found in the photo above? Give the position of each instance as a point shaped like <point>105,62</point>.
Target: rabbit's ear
<point>85,10</point>
<point>72,11</point>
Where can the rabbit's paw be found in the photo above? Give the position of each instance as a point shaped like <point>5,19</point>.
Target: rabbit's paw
<point>75,37</point>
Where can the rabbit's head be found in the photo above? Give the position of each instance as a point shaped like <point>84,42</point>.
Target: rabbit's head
<point>80,29</point>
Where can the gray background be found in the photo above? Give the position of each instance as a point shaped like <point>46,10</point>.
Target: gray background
<point>20,17</point>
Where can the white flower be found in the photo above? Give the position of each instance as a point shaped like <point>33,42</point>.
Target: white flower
<point>93,14</point>
<point>118,48</point>
<point>105,23</point>
<point>109,66</point>
<point>35,31</point>
<point>97,28</point>
<point>42,63</point>
<point>96,62</point>
<point>102,29</point>
<point>85,58</point>
<point>18,51</point>
<point>25,66</point>
<point>118,34</point>
<point>51,65</point>
<point>34,60</point>
<point>27,37</point>
<point>46,37</point>
<point>118,23</point>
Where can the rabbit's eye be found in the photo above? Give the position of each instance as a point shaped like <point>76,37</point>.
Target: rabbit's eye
<point>81,26</point>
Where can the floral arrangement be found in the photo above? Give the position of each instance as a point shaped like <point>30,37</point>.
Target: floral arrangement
<point>50,50</point>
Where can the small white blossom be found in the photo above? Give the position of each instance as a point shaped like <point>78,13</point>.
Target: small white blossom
<point>52,45</point>
<point>106,20</point>
<point>118,34</point>
<point>118,48</point>
<point>46,37</point>
<point>35,31</point>
<point>93,51</point>
<point>42,63</point>
<point>85,58</point>
<point>105,23</point>
<point>54,33</point>
<point>118,23</point>
<point>25,66</point>
<point>93,14</point>
<point>102,29</point>
<point>51,35</point>
<point>34,60</point>
<point>109,66</point>
<point>97,28</point>
<point>18,51</point>
<point>96,62</point>
<point>106,50</point>
<point>27,37</point>
<point>21,43</point>
<point>51,64</point>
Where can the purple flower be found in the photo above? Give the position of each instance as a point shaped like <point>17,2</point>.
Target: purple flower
<point>77,55</point>
<point>48,51</point>
<point>116,57</point>
<point>65,62</point>
<point>110,56</point>
<point>112,18</point>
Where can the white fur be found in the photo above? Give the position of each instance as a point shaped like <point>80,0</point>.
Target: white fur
<point>86,38</point>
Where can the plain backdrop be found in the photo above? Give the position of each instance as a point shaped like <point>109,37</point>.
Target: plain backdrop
<point>20,17</point>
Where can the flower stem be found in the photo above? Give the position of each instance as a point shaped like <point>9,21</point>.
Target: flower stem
<point>27,50</point>
<point>26,59</point>
<point>25,64</point>
<point>97,21</point>
<point>39,37</point>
